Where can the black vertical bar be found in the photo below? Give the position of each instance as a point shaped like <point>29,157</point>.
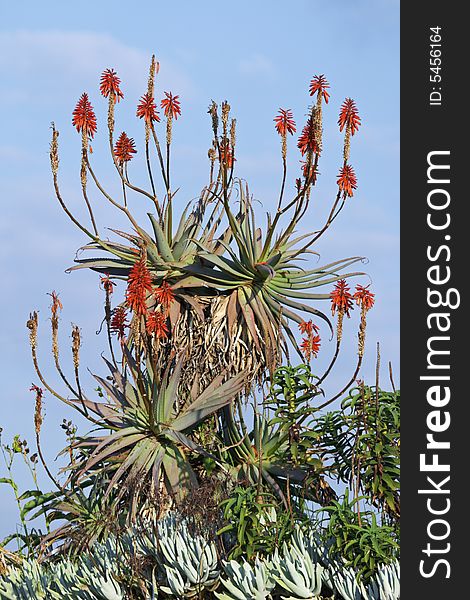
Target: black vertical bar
<point>434,253</point>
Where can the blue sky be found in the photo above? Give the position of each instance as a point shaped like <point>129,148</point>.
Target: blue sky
<point>259,56</point>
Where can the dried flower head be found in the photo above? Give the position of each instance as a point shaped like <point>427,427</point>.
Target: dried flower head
<point>153,70</point>
<point>156,325</point>
<point>38,416</point>
<point>76,343</point>
<point>147,109</point>
<point>319,85</point>
<point>212,154</point>
<point>32,325</point>
<point>233,127</point>
<point>349,116</point>
<point>56,306</point>
<point>213,111</point>
<point>119,321</point>
<point>164,295</point>
<point>364,297</point>
<point>109,85</point>
<point>225,114</point>
<point>84,118</point>
<point>347,181</point>
<point>124,148</point>
<point>284,122</point>
<point>341,298</point>
<point>171,106</point>
<point>54,150</point>
<point>139,283</point>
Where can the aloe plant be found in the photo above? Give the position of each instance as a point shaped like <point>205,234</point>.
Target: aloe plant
<point>262,278</point>
<point>149,428</point>
<point>263,454</point>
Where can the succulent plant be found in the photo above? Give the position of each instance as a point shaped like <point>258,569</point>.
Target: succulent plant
<point>25,582</point>
<point>297,573</point>
<point>242,287</point>
<point>148,428</point>
<point>385,585</point>
<point>246,581</point>
<point>344,581</point>
<point>189,561</point>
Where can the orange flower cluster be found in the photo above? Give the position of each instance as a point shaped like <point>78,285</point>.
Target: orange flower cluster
<point>139,287</point>
<point>341,298</point>
<point>124,148</point>
<point>347,181</point>
<point>157,320</point>
<point>56,303</point>
<point>310,345</point>
<point>107,284</point>
<point>284,122</point>
<point>226,153</point>
<point>119,321</point>
<point>364,297</point>
<point>319,85</point>
<point>171,105</point>
<point>110,84</point>
<point>157,324</point>
<point>138,284</point>
<point>147,109</point>
<point>164,295</point>
<point>309,172</point>
<point>307,140</point>
<point>349,116</point>
<point>83,117</point>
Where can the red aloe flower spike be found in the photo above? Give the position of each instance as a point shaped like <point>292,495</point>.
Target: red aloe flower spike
<point>119,321</point>
<point>307,171</point>
<point>308,327</point>
<point>347,181</point>
<point>171,106</point>
<point>364,297</point>
<point>147,109</point>
<point>124,148</point>
<point>319,85</point>
<point>349,116</point>
<point>284,122</point>
<point>307,140</point>
<point>226,153</point>
<point>156,325</point>
<point>341,298</point>
<point>56,305</point>
<point>164,295</point>
<point>107,284</point>
<point>110,84</point>
<point>138,284</point>
<point>83,117</point>
<point>310,346</point>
